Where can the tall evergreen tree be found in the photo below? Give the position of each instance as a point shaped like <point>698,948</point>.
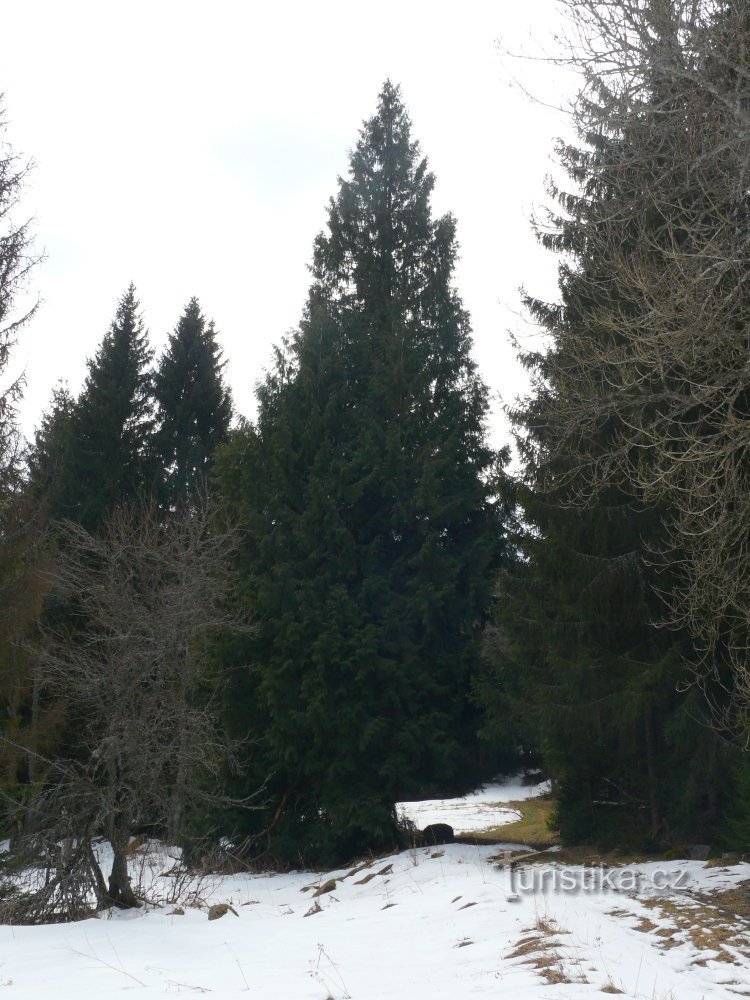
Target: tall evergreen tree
<point>47,455</point>
<point>366,488</point>
<point>579,616</point>
<point>21,583</point>
<point>109,456</point>
<point>194,406</point>
<point>89,456</point>
<point>17,259</point>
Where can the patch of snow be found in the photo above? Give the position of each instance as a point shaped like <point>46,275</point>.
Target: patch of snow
<point>480,810</point>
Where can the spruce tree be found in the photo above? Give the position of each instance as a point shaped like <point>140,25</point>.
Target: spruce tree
<point>582,648</point>
<point>109,458</point>
<point>366,488</point>
<point>47,456</point>
<point>667,374</point>
<point>17,260</point>
<point>21,579</point>
<point>194,406</point>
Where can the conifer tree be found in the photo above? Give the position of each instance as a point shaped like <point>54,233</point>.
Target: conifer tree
<point>670,376</point>
<point>579,617</point>
<point>17,260</point>
<point>21,586</point>
<point>109,458</point>
<point>47,456</point>
<point>89,456</point>
<point>194,406</point>
<point>366,488</point>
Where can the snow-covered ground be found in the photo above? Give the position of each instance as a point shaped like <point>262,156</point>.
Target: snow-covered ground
<point>482,810</point>
<point>424,924</point>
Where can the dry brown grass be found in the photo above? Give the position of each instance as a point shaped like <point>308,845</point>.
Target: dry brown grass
<point>700,923</point>
<point>583,856</point>
<point>136,843</point>
<point>547,925</point>
<point>327,886</point>
<point>735,901</point>
<point>527,946</point>
<point>726,861</point>
<point>366,878</point>
<point>540,949</point>
<point>533,828</point>
<point>552,970</point>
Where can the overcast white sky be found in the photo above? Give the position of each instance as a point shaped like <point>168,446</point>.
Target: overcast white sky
<point>192,147</point>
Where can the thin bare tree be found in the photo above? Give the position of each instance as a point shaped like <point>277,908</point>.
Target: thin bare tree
<point>650,388</point>
<point>128,658</point>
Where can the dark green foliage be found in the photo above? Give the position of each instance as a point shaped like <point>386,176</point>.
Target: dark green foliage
<point>17,260</point>
<point>367,494</point>
<point>109,457</point>
<point>194,407</point>
<point>576,656</point>
<point>735,828</point>
<point>576,667</point>
<point>21,582</point>
<point>89,456</point>
<point>47,457</point>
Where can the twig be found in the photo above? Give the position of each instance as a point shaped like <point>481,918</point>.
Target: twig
<point>109,965</point>
<point>237,962</point>
<point>188,986</point>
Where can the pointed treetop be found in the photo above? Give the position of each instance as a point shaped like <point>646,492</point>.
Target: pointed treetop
<point>125,342</point>
<point>195,407</point>
<point>107,430</point>
<point>380,224</point>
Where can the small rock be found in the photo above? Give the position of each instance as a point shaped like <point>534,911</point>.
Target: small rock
<point>219,910</point>
<point>699,852</point>
<point>328,886</point>
<point>315,908</point>
<point>438,833</point>
<point>176,912</point>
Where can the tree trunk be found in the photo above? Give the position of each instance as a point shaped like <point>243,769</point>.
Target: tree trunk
<point>120,892</point>
<point>33,760</point>
<point>100,888</point>
<point>653,783</point>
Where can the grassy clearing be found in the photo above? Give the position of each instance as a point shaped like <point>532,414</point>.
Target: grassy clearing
<point>533,828</point>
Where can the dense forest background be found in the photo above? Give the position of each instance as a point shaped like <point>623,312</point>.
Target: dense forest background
<point>272,631</point>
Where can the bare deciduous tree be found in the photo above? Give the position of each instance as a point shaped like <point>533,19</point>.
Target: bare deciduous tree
<point>649,387</point>
<point>145,744</point>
